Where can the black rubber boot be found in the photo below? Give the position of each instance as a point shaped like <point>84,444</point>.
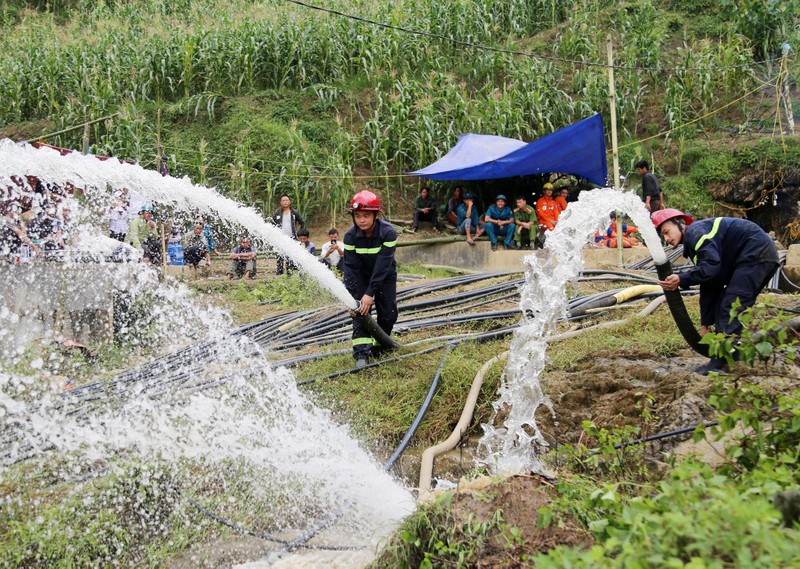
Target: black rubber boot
<point>714,365</point>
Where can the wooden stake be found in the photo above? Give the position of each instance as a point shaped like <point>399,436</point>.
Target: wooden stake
<point>612,103</point>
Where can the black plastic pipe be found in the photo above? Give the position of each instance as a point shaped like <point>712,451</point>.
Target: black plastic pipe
<point>421,413</point>
<point>679,313</point>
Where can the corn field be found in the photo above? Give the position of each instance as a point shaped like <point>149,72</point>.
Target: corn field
<point>396,100</point>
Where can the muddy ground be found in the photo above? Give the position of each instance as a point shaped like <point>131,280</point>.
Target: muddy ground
<point>609,389</point>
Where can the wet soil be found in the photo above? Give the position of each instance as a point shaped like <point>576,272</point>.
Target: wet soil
<point>610,389</point>
<point>613,390</point>
<point>519,498</point>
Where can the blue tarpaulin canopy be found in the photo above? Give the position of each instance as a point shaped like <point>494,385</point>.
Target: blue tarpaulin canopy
<point>578,149</point>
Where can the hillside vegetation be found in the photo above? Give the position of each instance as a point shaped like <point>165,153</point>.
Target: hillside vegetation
<point>261,97</point>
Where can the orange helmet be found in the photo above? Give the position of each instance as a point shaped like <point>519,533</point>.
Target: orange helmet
<point>365,201</point>
<point>662,215</point>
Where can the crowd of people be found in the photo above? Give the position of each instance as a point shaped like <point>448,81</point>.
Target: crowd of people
<point>523,227</point>
<point>36,219</point>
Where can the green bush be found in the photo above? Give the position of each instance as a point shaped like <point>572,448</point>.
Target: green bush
<point>684,194</point>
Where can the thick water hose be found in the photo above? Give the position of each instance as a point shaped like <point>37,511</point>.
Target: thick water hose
<point>679,313</point>
<point>426,467</point>
<point>377,332</point>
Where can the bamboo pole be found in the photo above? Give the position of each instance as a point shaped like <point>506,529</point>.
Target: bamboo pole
<point>163,247</point>
<point>787,102</point>
<point>85,140</point>
<point>159,150</point>
<point>612,103</point>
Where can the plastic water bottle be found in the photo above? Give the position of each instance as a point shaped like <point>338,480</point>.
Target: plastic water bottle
<point>175,252</point>
<point>24,253</point>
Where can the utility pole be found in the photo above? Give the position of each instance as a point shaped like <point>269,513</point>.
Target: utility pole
<point>612,103</point>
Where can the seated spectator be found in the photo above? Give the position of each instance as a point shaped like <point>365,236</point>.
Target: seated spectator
<point>208,232</point>
<point>143,235</point>
<point>547,210</point>
<point>451,213</point>
<point>526,222</point>
<point>609,237</point>
<point>45,230</point>
<point>303,237</point>
<point>118,218</point>
<point>13,235</point>
<point>468,219</point>
<point>561,198</point>
<point>195,247</point>
<point>243,261</point>
<point>332,253</point>
<point>425,210</point>
<point>500,222</point>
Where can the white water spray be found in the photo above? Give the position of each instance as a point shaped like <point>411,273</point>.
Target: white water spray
<point>252,447</point>
<point>512,447</point>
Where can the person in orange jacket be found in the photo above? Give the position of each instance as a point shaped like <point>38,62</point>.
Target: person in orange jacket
<point>547,210</point>
<point>609,238</point>
<point>561,198</point>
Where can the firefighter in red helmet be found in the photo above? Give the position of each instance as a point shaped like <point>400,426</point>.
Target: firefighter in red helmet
<point>370,271</point>
<point>733,259</point>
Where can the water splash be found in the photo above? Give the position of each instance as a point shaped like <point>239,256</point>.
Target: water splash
<point>229,432</point>
<point>512,447</point>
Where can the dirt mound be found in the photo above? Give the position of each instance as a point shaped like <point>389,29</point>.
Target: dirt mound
<point>519,498</point>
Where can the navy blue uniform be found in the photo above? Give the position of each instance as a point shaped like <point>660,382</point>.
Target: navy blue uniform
<point>370,268</point>
<point>733,258</point>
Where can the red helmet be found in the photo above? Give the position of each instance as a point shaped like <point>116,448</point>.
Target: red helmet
<point>365,201</point>
<point>662,215</point>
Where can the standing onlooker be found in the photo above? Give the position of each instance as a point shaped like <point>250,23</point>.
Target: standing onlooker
<point>118,218</point>
<point>425,210</point>
<point>651,188</point>
<point>332,253</point>
<point>143,235</point>
<point>468,219</point>
<point>303,236</point>
<point>243,260</point>
<point>527,224</point>
<point>500,221</point>
<point>370,271</point>
<point>451,213</point>
<point>733,258</point>
<point>289,221</point>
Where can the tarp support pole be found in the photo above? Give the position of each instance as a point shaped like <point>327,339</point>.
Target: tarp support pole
<point>612,103</point>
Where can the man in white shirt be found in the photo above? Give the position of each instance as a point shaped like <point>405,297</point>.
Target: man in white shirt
<point>332,252</point>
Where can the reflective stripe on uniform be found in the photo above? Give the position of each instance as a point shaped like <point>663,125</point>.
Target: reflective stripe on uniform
<point>709,235</point>
<point>362,341</point>
<point>371,250</point>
